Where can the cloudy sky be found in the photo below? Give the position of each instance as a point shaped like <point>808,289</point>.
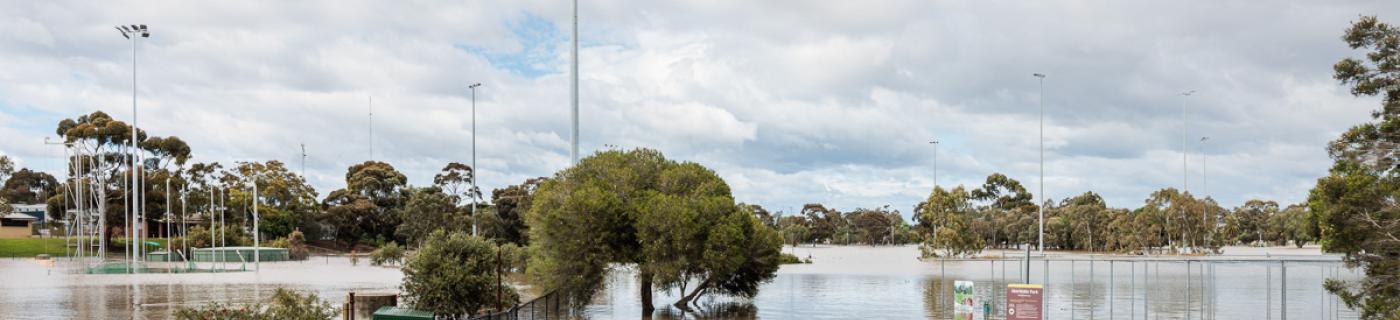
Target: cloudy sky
<point>790,101</point>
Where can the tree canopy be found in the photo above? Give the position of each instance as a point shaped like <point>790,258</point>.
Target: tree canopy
<point>676,221</point>
<point>1355,205</point>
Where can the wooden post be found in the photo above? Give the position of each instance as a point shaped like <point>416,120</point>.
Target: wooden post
<point>351,310</point>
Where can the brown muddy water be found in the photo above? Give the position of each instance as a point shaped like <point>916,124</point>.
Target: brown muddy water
<point>56,289</point>
<point>842,283</point>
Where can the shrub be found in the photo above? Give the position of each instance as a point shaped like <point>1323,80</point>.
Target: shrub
<point>285,304</point>
<point>788,258</point>
<point>453,275</point>
<point>388,254</point>
<point>296,245</point>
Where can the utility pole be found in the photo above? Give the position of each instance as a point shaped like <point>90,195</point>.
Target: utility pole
<point>1040,242</point>
<point>303,161</point>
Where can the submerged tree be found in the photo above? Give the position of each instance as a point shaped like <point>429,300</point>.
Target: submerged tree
<point>677,222</point>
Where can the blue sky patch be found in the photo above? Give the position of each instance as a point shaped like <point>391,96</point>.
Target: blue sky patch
<point>539,41</point>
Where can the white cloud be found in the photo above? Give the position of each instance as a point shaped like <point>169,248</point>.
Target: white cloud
<point>787,100</point>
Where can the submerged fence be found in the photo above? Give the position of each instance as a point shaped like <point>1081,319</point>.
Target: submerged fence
<point>552,305</point>
<point>1088,287</point>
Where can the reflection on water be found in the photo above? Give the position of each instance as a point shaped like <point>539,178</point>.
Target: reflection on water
<point>843,283</point>
<point>889,283</point>
<point>56,290</point>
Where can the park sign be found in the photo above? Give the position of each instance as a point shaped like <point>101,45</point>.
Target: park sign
<point>1024,302</point>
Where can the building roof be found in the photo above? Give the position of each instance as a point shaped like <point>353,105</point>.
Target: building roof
<point>19,216</point>
<point>28,208</point>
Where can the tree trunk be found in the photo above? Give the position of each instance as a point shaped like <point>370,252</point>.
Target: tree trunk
<point>647,308</point>
<point>684,303</point>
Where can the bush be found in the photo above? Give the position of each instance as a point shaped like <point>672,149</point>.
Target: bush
<point>388,254</point>
<point>453,276</point>
<point>286,304</point>
<point>788,258</point>
<point>514,257</point>
<point>296,245</point>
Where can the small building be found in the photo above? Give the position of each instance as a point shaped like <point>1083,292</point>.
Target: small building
<point>16,225</point>
<point>38,211</point>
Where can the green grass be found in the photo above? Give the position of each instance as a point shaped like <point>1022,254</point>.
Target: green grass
<point>30,247</point>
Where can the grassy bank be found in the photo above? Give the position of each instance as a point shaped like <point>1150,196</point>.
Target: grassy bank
<point>29,247</point>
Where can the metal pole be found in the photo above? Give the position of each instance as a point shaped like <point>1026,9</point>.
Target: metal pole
<point>1072,284</point>
<point>1283,290</point>
<point>1041,241</point>
<point>573,88</point>
<point>371,128</point>
<point>472,192</point>
<point>1184,184</point>
<point>1132,289</point>
<point>1204,209</point>
<point>257,256</point>
<point>1188,289</point>
<point>1110,289</point>
<point>1268,292</point>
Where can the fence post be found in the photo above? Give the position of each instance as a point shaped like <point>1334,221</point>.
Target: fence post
<point>1091,288</point>
<point>1283,290</point>
<point>1110,289</point>
<point>1072,283</point>
<point>1188,289</point>
<point>1268,291</point>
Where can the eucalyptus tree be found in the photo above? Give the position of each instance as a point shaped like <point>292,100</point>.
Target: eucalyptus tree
<point>512,203</point>
<point>952,211</point>
<point>100,145</point>
<point>368,207</point>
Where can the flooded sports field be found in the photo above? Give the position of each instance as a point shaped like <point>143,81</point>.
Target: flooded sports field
<point>841,283</point>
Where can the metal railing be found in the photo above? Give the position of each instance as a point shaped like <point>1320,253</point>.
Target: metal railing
<point>1196,272</point>
<point>552,305</point>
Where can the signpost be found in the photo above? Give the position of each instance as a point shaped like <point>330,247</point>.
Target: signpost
<point>1024,302</point>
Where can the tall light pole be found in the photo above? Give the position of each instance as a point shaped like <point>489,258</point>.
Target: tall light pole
<point>1184,184</point>
<point>371,128</point>
<point>1205,211</point>
<point>935,162</point>
<point>257,256</point>
<point>134,33</point>
<point>935,178</point>
<point>1040,242</point>
<point>573,90</point>
<point>472,192</point>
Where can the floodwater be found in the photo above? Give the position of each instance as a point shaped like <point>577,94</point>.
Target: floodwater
<point>56,289</point>
<point>842,283</point>
<point>890,283</point>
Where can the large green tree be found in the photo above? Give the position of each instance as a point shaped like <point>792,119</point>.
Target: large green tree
<point>368,207</point>
<point>429,210</point>
<point>950,213</point>
<point>677,222</point>
<point>512,203</point>
<point>28,186</point>
<point>1355,205</point>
